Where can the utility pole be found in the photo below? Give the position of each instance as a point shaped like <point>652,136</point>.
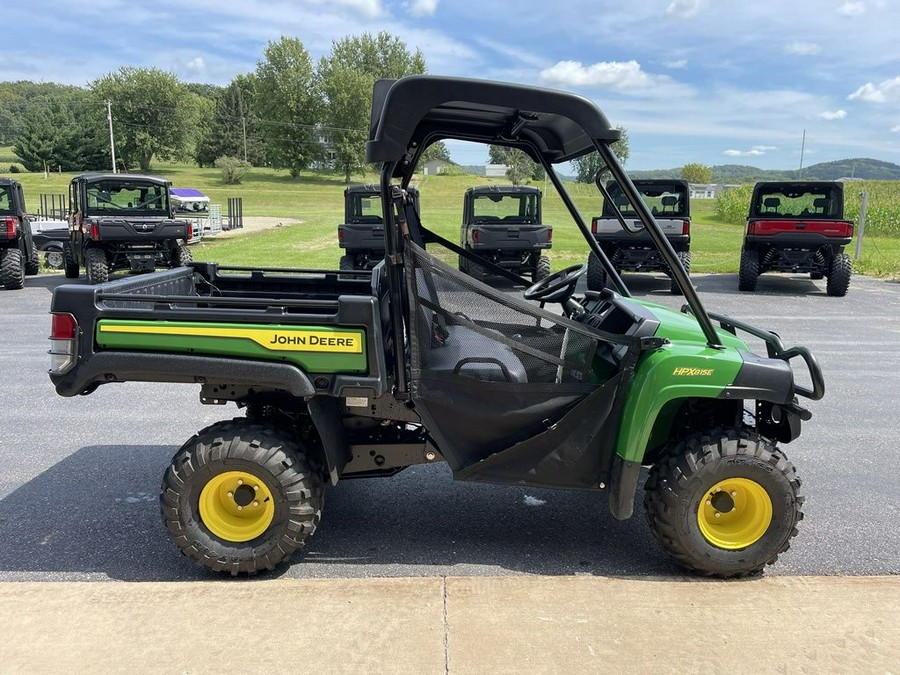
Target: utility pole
<point>802,148</point>
<point>112,142</point>
<point>243,120</point>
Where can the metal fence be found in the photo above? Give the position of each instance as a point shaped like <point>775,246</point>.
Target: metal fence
<point>53,207</point>
<point>235,215</point>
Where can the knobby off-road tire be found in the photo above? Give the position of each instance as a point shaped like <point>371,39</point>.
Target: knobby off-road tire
<point>12,269</point>
<point>181,256</point>
<point>596,275</point>
<point>346,263</point>
<point>749,271</point>
<point>685,258</point>
<point>200,494</point>
<point>33,264</point>
<point>69,263</point>
<point>759,509</point>
<point>839,273</point>
<point>541,269</point>
<point>97,266</point>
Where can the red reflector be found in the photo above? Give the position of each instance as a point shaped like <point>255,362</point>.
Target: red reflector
<point>95,232</point>
<point>63,327</point>
<point>549,235</point>
<point>686,227</point>
<point>594,226</point>
<point>475,236</point>
<point>190,231</point>
<point>11,224</point>
<point>340,233</point>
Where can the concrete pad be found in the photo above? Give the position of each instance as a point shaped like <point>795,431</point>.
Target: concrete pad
<point>591,624</point>
<point>280,626</point>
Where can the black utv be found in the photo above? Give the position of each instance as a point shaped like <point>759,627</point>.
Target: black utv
<point>502,224</point>
<point>362,233</point>
<point>122,221</point>
<point>18,256</point>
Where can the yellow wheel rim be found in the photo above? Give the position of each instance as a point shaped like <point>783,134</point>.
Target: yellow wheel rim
<point>735,513</point>
<point>236,506</point>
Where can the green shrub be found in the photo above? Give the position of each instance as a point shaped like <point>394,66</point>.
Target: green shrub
<point>233,169</point>
<point>733,204</point>
<point>15,168</point>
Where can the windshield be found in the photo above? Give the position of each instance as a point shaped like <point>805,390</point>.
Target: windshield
<point>663,200</point>
<point>112,197</point>
<point>364,208</point>
<point>797,201</point>
<point>517,208</point>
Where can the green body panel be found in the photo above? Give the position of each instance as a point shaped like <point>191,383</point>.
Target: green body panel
<point>315,349</point>
<point>686,368</point>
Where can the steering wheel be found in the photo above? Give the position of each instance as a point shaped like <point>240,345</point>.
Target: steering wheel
<point>558,287</point>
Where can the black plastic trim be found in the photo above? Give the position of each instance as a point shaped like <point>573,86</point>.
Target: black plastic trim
<point>623,482</point>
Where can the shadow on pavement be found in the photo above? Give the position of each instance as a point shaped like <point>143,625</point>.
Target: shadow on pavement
<point>96,512</point>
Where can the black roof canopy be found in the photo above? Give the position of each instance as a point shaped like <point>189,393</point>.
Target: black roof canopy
<point>413,111</point>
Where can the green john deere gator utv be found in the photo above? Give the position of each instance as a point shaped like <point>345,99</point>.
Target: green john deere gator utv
<point>359,374</point>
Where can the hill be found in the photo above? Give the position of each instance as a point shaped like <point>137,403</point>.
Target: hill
<point>861,168</point>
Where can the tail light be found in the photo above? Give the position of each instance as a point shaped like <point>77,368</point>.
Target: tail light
<point>686,228</point>
<point>549,235</point>
<point>63,342</point>
<point>11,224</point>
<point>190,231</point>
<point>341,233</point>
<point>95,232</point>
<point>595,226</point>
<point>475,236</point>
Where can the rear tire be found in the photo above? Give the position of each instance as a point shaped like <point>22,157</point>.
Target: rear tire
<point>181,256</point>
<point>685,258</point>
<point>97,266</point>
<point>596,274</point>
<point>346,263</point>
<point>280,492</point>
<point>33,264</point>
<point>69,263</point>
<point>541,269</point>
<point>749,271</point>
<point>12,269</point>
<point>839,275</point>
<point>743,480</point>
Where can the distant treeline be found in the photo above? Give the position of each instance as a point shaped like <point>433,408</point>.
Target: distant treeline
<point>862,168</point>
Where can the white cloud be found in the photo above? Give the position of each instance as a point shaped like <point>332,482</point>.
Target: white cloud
<point>802,48</point>
<point>833,114</point>
<point>422,7</point>
<point>196,64</point>
<point>851,8</point>
<point>676,65</point>
<point>889,90</point>
<point>755,151</point>
<point>613,74</point>
<point>368,8</point>
<point>896,129</point>
<point>684,9</point>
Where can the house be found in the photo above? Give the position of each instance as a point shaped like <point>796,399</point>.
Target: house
<point>495,170</point>
<point>436,167</point>
<point>707,190</point>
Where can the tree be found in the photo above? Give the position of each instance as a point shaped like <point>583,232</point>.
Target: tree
<point>233,121</point>
<point>288,105</point>
<point>435,151</point>
<point>345,79</point>
<point>519,166</point>
<point>62,130</point>
<point>696,173</point>
<point>587,166</point>
<point>153,113</point>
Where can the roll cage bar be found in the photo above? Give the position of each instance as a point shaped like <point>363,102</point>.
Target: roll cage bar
<point>550,126</point>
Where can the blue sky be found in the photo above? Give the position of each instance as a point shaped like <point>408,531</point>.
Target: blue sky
<point>710,81</point>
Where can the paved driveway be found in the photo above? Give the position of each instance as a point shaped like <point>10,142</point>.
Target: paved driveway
<point>79,477</point>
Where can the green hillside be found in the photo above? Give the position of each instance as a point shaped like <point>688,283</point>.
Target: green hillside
<point>861,168</point>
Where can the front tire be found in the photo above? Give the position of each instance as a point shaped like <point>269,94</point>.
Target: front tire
<point>12,269</point>
<point>749,271</point>
<point>241,497</point>
<point>596,274</point>
<point>97,266</point>
<point>839,275</point>
<point>725,503</point>
<point>346,263</point>
<point>33,264</point>
<point>181,256</point>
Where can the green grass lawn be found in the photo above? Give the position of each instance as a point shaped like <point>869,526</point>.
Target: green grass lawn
<point>316,199</point>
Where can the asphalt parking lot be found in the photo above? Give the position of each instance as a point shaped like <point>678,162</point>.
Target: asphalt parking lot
<point>79,477</point>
